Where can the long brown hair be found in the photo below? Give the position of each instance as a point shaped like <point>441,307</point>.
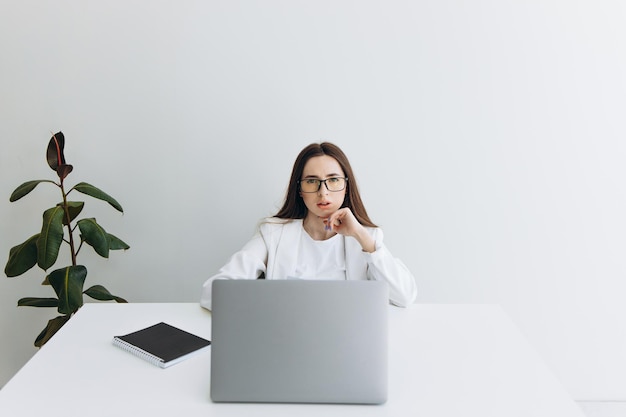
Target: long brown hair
<point>294,208</point>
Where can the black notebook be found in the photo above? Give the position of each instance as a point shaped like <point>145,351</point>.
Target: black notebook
<point>162,345</point>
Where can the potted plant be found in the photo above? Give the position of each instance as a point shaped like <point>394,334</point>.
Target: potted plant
<point>60,224</point>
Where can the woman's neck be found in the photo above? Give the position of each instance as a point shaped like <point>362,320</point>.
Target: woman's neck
<point>316,228</point>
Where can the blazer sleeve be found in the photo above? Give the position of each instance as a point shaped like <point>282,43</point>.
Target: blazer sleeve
<point>382,266</point>
<point>248,263</point>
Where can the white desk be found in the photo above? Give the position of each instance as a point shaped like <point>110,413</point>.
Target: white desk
<point>445,360</point>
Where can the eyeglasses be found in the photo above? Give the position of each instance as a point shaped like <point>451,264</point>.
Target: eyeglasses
<point>313,185</point>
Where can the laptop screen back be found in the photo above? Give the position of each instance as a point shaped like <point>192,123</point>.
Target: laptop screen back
<point>299,341</point>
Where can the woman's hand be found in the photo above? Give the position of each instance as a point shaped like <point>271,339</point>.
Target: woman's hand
<point>343,222</point>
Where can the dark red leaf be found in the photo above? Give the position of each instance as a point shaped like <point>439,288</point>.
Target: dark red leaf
<point>64,170</point>
<point>55,154</point>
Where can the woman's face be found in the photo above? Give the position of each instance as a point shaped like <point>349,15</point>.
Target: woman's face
<point>323,202</point>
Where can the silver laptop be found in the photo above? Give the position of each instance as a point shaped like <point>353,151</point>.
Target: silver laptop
<point>299,341</point>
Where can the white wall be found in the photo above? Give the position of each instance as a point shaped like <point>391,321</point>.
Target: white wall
<point>487,136</point>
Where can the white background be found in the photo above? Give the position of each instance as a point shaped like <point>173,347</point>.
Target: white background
<point>488,138</point>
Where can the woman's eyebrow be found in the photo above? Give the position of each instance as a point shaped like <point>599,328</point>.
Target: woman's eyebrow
<point>333,175</point>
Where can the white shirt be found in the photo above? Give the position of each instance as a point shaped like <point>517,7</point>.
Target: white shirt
<point>321,259</point>
<point>274,251</point>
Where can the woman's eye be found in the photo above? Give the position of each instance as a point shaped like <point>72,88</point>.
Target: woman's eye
<point>311,181</point>
<point>333,180</point>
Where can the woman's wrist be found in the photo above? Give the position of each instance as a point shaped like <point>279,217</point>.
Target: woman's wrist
<point>367,241</point>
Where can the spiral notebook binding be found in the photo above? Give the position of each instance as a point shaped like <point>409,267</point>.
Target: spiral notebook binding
<point>155,360</point>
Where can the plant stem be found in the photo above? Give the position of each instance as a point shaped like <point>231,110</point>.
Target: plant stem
<point>69,226</point>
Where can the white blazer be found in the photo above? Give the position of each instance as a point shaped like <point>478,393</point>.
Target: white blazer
<point>273,251</point>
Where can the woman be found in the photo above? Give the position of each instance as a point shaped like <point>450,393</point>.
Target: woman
<point>321,232</point>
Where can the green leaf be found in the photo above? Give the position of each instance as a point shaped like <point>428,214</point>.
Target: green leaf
<point>95,235</point>
<point>22,257</point>
<point>38,302</point>
<point>68,284</point>
<point>50,238</point>
<point>90,190</point>
<point>74,208</point>
<point>53,326</point>
<point>26,188</point>
<point>98,292</point>
<point>116,243</point>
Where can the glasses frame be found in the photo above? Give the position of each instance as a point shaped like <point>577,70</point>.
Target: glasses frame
<point>319,184</point>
